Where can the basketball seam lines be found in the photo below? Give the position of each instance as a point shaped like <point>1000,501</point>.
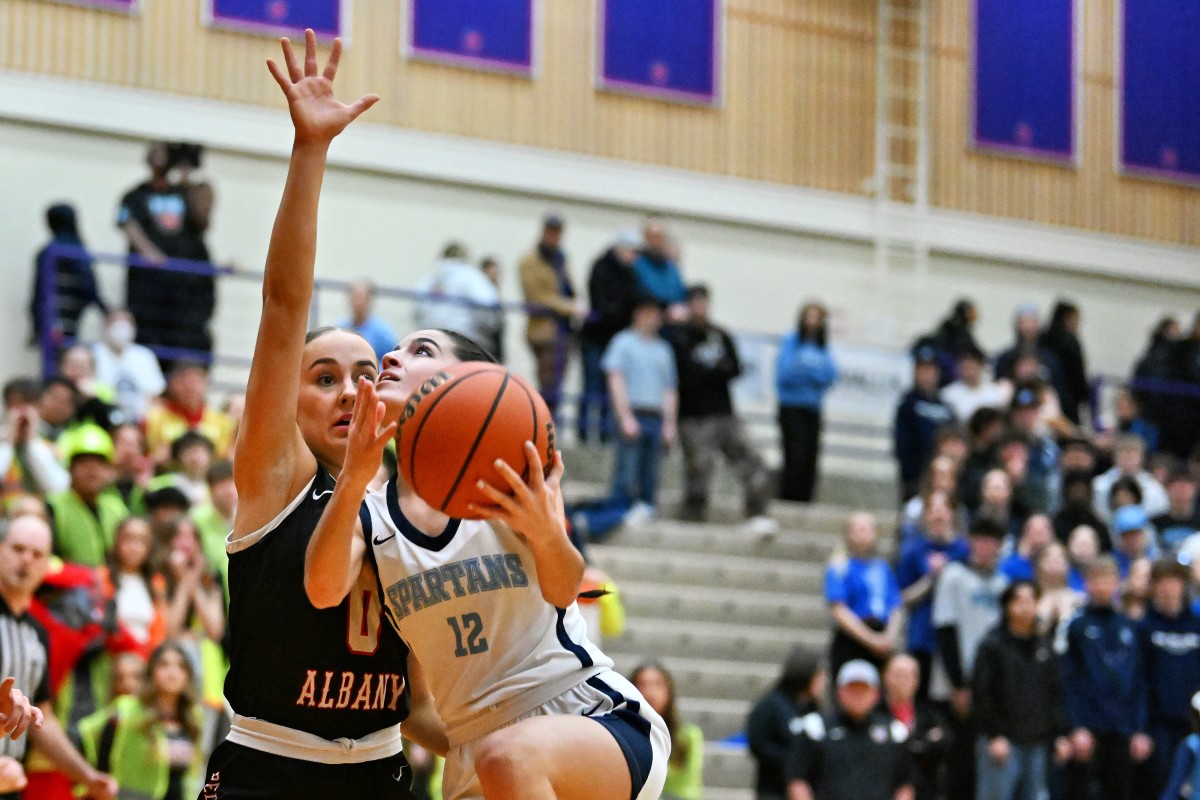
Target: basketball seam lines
<point>475,445</point>
<point>412,455</point>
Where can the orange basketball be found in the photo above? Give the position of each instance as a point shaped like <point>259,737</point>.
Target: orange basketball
<point>455,426</point>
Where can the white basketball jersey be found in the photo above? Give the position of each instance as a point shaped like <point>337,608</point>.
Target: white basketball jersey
<point>469,606</point>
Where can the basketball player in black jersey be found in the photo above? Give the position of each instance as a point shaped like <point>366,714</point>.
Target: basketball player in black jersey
<point>317,695</point>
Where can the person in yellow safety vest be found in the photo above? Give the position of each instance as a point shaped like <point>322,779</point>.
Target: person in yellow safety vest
<point>85,516</point>
<point>150,743</point>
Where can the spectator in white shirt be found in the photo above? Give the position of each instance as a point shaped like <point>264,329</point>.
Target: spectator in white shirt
<point>130,369</point>
<point>1129,453</point>
<point>460,298</point>
<point>974,389</point>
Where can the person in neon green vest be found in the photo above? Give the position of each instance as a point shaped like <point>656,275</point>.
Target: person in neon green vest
<point>150,743</point>
<point>85,516</point>
<point>685,769</point>
<point>214,519</point>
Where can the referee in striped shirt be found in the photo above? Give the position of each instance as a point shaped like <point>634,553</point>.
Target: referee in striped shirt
<point>24,655</point>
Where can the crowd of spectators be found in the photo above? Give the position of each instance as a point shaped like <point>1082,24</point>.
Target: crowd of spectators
<point>1038,591</point>
<point>1029,633</point>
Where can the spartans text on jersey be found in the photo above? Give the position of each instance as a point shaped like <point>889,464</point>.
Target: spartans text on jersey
<point>456,579</point>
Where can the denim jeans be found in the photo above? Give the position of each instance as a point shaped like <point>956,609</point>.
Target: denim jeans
<point>594,400</point>
<point>1021,777</point>
<point>635,473</point>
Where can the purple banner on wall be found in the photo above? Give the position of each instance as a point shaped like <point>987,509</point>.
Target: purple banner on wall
<point>481,34</point>
<point>1160,114</point>
<point>1025,77</point>
<point>278,17</point>
<point>669,49</point>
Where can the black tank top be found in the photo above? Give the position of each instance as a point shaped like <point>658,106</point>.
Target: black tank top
<point>336,672</point>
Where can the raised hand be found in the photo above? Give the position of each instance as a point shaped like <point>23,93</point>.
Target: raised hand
<point>531,509</point>
<point>317,115</point>
<point>366,438</point>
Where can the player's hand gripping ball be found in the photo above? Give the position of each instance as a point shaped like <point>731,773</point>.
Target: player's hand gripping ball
<point>458,422</point>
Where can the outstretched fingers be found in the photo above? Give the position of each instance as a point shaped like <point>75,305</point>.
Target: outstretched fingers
<point>335,55</point>
<point>289,58</point>
<point>361,105</point>
<point>280,76</point>
<point>310,53</point>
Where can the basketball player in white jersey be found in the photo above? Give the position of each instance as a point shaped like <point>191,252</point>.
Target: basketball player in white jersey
<point>318,694</point>
<point>532,709</point>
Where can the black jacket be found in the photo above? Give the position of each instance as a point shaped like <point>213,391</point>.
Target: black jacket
<point>1017,690</point>
<point>706,360</point>
<point>612,294</point>
<point>774,722</point>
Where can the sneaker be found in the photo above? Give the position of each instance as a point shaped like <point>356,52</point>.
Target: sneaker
<point>639,515</point>
<point>761,525</point>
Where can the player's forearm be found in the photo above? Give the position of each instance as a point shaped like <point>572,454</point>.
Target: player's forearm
<point>425,727</point>
<point>559,568</point>
<point>329,568</point>
<point>292,252</point>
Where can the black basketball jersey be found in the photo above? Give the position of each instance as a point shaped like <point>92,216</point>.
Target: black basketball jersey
<point>335,672</point>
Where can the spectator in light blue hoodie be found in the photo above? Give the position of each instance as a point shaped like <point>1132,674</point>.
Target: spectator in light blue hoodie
<point>804,371</point>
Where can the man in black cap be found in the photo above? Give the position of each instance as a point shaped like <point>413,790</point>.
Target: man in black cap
<point>858,752</point>
<point>920,413</point>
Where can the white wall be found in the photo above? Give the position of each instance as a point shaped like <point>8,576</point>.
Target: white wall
<point>762,249</point>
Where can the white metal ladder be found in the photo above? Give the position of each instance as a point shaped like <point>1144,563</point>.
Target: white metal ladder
<point>901,180</point>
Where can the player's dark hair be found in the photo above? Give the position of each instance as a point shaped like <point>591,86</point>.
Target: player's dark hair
<point>680,748</point>
<point>466,348</point>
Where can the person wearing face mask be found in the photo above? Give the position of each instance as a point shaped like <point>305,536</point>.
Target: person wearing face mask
<point>130,368</point>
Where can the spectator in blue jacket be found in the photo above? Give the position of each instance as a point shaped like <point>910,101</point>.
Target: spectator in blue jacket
<point>863,598</point>
<point>922,559</point>
<point>73,282</point>
<point>920,413</point>
<point>804,372</point>
<point>1185,774</point>
<point>1169,639</point>
<point>657,274</point>
<point>1105,692</point>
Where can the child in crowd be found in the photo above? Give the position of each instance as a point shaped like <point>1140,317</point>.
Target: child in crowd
<point>685,769</point>
<point>140,590</point>
<point>642,384</point>
<point>149,742</point>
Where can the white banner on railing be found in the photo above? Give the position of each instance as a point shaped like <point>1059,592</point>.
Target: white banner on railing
<point>871,380</point>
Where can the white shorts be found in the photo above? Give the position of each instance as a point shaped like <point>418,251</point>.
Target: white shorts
<point>614,703</point>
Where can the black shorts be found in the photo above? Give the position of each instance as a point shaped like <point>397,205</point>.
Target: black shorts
<point>236,772</point>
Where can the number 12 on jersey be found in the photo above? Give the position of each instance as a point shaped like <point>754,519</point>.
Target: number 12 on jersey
<point>472,625</point>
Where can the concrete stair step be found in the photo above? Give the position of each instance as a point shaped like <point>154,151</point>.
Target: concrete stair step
<point>709,677</point>
<point>720,793</point>
<point>726,506</point>
<point>717,718</point>
<point>727,767</point>
<point>665,639</point>
<point>704,570</point>
<point>728,539</point>
<point>717,604</point>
